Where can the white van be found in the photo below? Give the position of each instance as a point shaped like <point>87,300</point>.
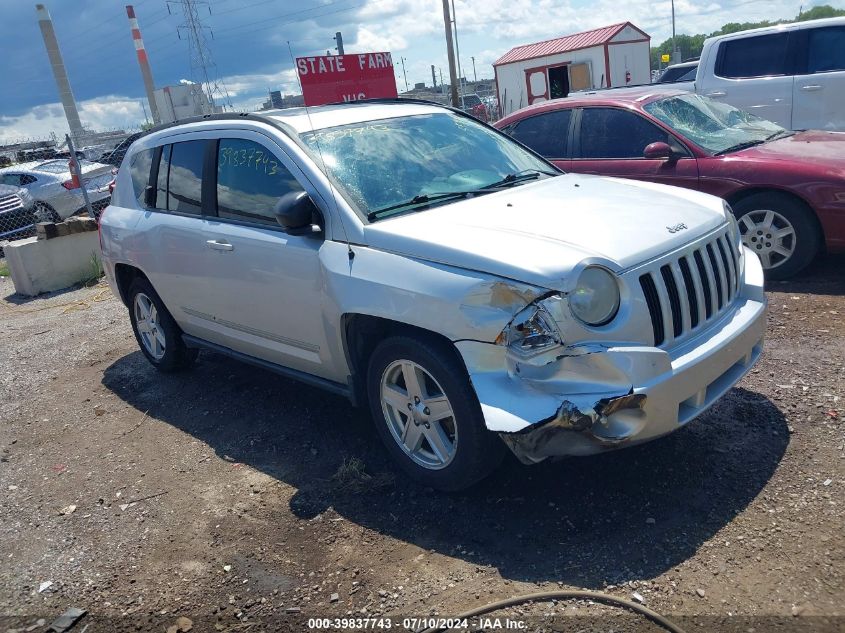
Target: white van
<point>792,74</point>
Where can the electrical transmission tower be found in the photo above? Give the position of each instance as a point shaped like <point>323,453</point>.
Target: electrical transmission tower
<point>203,68</point>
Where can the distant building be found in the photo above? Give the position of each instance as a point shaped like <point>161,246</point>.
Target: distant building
<point>183,101</point>
<point>276,99</point>
<point>616,55</point>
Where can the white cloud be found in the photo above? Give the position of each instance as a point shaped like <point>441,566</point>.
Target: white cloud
<point>103,113</point>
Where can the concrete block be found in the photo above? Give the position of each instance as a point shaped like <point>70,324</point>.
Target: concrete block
<point>50,230</point>
<point>45,265</point>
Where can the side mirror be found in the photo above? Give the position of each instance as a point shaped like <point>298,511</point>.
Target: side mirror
<point>296,212</point>
<point>658,150</point>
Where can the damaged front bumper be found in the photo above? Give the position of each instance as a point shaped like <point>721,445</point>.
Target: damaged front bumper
<point>592,398</point>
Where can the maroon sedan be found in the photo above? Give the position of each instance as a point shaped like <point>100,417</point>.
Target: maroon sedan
<point>787,189</point>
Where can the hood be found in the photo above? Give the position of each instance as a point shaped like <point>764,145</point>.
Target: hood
<point>6,190</point>
<point>538,232</point>
<point>826,149</point>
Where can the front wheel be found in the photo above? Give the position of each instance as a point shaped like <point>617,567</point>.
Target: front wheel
<point>427,414</point>
<point>781,230</point>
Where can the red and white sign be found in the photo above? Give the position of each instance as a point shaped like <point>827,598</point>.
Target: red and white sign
<point>333,78</point>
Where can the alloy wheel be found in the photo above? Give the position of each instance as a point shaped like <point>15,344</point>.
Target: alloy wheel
<point>148,325</point>
<point>418,414</point>
<point>770,235</point>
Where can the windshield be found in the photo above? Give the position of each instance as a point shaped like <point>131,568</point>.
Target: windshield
<point>388,162</point>
<point>675,73</point>
<point>716,127</point>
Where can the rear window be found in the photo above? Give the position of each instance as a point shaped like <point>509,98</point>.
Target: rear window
<point>826,49</point>
<point>184,185</point>
<point>547,134</point>
<point>675,73</point>
<point>759,56</point>
<point>140,172</point>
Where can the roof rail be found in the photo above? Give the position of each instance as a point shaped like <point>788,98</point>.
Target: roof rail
<point>218,116</point>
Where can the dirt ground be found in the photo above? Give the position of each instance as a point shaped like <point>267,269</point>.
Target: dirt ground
<point>244,501</point>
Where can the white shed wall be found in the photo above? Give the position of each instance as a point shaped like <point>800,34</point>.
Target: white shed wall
<point>633,57</point>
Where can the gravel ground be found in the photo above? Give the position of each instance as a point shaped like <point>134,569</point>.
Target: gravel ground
<point>241,500</point>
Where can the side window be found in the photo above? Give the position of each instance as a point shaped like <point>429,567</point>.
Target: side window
<point>11,179</point>
<point>161,182</point>
<point>250,180</point>
<point>547,134</point>
<point>26,179</point>
<point>826,49</point>
<point>759,56</point>
<point>140,172</point>
<point>184,182</point>
<point>611,133</point>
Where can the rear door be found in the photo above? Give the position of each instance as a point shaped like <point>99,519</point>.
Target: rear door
<point>169,242</point>
<point>819,87</point>
<point>754,73</point>
<point>548,134</point>
<point>611,141</point>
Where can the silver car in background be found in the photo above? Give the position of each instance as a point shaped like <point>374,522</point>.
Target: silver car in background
<point>17,213</point>
<point>54,191</point>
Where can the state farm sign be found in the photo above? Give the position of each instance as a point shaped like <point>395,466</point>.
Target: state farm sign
<point>332,78</point>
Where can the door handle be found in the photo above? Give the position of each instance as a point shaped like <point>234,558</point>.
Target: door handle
<point>219,245</point>
<point>811,87</point>
<point>717,93</point>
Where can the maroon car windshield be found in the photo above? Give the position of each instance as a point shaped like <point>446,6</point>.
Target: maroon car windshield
<point>714,126</point>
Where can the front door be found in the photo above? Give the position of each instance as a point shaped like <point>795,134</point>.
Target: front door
<point>611,141</point>
<point>265,286</point>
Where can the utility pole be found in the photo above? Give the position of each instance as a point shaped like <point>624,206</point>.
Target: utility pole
<point>474,76</point>
<point>675,59</point>
<point>143,62</point>
<point>450,53</point>
<point>457,50</point>
<point>402,59</point>
<point>339,39</point>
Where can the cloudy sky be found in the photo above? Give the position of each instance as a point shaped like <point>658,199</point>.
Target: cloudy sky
<point>250,44</point>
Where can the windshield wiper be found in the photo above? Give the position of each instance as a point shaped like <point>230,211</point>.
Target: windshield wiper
<point>779,134</point>
<point>520,176</point>
<point>422,199</point>
<point>739,146</point>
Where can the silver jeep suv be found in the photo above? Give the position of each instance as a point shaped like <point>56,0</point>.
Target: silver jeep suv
<point>412,258</point>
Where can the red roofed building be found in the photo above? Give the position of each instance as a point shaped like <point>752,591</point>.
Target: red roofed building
<point>615,55</point>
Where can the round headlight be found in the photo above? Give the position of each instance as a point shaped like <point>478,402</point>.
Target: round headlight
<point>595,298</point>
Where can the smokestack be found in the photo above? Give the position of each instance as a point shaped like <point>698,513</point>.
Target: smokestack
<point>62,83</point>
<point>143,62</point>
<point>433,77</point>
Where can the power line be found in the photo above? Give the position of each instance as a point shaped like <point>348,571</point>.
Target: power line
<point>202,61</point>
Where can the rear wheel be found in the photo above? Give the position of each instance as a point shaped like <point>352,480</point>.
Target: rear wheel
<point>781,230</point>
<point>158,336</point>
<point>428,415</point>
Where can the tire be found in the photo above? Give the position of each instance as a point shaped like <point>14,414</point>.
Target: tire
<point>168,356</point>
<point>763,216</point>
<point>466,451</point>
<point>45,213</point>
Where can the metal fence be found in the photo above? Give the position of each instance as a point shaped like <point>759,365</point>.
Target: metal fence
<point>19,215</point>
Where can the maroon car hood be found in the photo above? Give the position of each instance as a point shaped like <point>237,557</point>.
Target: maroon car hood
<point>821,148</point>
